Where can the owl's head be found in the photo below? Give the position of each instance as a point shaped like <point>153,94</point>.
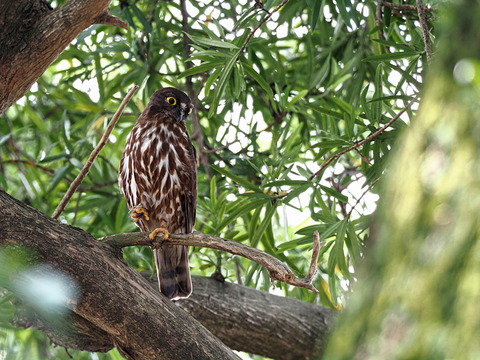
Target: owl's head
<point>171,102</point>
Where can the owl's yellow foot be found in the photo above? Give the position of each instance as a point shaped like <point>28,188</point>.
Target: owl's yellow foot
<point>155,232</point>
<point>138,213</point>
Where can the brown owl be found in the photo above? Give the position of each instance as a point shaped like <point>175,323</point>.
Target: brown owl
<point>158,177</point>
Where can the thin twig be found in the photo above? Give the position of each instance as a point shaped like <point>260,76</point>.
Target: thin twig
<point>277,269</point>
<point>426,35</point>
<point>404,7</point>
<point>315,253</point>
<point>361,196</point>
<point>265,19</point>
<point>226,146</point>
<point>31,163</point>
<point>97,186</point>
<point>78,180</point>
<point>364,141</point>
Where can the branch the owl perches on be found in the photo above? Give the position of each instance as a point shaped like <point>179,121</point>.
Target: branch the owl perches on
<point>277,269</point>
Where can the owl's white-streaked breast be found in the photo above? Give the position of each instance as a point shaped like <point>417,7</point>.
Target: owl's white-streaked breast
<point>162,158</point>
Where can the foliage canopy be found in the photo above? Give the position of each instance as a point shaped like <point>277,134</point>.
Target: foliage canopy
<point>287,108</point>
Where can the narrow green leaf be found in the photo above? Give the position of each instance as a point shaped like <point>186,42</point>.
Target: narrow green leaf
<point>213,190</point>
<point>301,94</point>
<point>250,71</point>
<point>59,175</point>
<point>139,14</point>
<point>240,209</point>
<point>390,56</point>
<point>325,111</point>
<point>267,220</point>
<point>211,79</point>
<point>201,68</point>
<point>222,83</point>
<point>239,180</point>
<point>211,42</point>
<point>353,243</point>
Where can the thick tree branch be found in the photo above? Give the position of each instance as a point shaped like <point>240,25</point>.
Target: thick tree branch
<point>104,291</point>
<point>116,306</point>
<point>277,269</point>
<point>257,322</point>
<point>33,35</point>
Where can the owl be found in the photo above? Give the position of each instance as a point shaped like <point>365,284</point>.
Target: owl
<point>158,177</point>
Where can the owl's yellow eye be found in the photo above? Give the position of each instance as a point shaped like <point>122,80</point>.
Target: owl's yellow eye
<point>189,111</point>
<point>171,100</point>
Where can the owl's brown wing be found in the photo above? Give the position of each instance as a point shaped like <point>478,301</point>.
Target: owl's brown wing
<point>190,197</point>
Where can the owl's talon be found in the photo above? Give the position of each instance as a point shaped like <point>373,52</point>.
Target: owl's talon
<point>155,232</point>
<point>139,213</point>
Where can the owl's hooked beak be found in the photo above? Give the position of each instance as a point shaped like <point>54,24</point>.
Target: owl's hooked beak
<point>182,112</point>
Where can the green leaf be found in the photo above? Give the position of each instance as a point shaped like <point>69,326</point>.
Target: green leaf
<point>239,180</point>
<point>325,111</point>
<point>59,175</point>
<point>221,84</point>
<point>390,56</point>
<point>139,14</point>
<point>201,68</point>
<point>316,8</point>
<point>211,42</point>
<point>267,220</point>
<point>300,95</point>
<point>240,209</point>
<point>250,71</point>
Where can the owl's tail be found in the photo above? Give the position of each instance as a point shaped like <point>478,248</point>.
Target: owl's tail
<point>173,271</point>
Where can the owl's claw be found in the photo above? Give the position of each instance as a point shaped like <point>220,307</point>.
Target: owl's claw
<point>155,232</point>
<point>139,213</point>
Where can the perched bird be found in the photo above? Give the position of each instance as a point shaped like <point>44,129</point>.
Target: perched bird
<point>158,177</point>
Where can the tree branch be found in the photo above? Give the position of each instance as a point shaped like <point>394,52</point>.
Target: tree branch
<point>86,168</point>
<point>364,141</point>
<point>425,33</point>
<point>277,269</point>
<point>265,19</point>
<point>33,35</point>
<point>103,290</point>
<point>116,306</point>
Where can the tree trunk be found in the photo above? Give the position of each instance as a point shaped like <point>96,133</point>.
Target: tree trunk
<point>116,306</point>
<point>104,291</point>
<point>32,35</point>
<point>418,294</point>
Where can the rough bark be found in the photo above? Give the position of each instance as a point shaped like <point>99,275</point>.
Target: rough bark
<point>107,293</point>
<point>257,322</point>
<point>32,35</point>
<point>118,307</point>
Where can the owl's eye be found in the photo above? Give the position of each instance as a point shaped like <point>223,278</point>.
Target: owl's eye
<point>171,100</point>
<point>189,111</point>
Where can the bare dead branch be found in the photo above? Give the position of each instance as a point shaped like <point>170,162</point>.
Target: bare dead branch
<point>86,168</point>
<point>277,269</point>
